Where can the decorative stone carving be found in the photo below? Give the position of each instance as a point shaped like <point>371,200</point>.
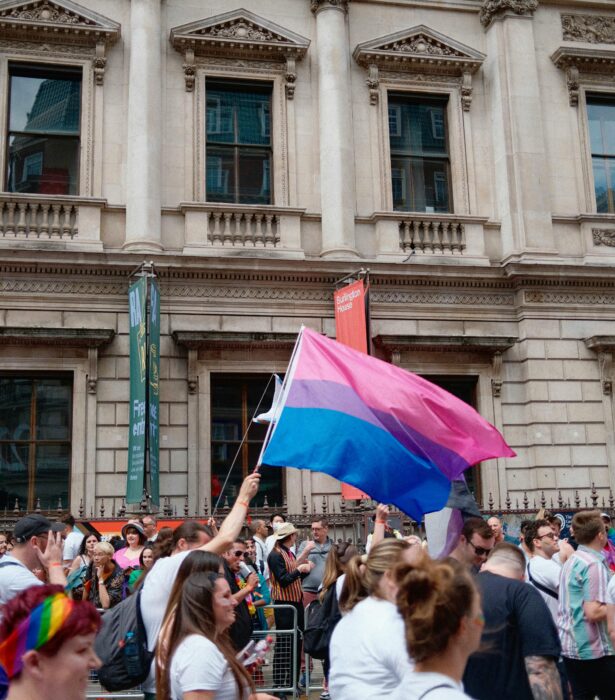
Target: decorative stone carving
<point>492,8</point>
<point>60,23</point>
<point>239,35</point>
<point>496,380</point>
<point>604,236</point>
<point>422,54</point>
<point>317,5</point>
<point>605,363</point>
<point>593,29</point>
<point>584,66</point>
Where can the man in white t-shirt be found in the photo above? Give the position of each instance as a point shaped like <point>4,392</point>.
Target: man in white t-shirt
<point>38,542</point>
<point>72,540</point>
<point>159,581</point>
<point>542,572</point>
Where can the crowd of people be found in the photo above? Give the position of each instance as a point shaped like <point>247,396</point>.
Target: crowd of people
<point>528,619</point>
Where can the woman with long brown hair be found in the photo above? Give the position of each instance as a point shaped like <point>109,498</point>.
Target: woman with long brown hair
<point>202,663</point>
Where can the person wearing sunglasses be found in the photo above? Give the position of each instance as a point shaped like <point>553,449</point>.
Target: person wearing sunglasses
<point>543,571</point>
<point>241,590</point>
<point>475,543</point>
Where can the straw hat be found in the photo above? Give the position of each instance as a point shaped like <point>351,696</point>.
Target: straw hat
<point>284,531</point>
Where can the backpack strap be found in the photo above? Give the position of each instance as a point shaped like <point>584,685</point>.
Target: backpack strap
<point>540,586</point>
<point>436,687</point>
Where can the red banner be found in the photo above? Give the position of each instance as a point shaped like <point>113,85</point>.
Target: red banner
<point>350,323</point>
<point>351,329</point>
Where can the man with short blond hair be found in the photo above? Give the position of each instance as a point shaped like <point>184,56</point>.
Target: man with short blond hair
<point>582,621</point>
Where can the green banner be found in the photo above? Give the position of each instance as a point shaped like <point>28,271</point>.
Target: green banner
<point>154,391</point>
<point>137,295</point>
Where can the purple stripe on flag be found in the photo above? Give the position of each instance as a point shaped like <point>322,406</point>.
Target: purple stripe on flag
<point>308,393</point>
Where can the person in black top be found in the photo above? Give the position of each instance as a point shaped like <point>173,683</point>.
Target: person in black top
<point>241,630</point>
<point>520,641</point>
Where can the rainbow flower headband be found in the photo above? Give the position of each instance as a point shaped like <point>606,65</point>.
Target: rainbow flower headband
<point>43,623</point>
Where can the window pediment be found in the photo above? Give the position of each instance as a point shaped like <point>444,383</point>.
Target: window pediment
<point>418,50</point>
<point>590,66</point>
<point>239,34</point>
<point>62,22</point>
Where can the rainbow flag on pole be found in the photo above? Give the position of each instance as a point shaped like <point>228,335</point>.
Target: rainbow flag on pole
<point>396,436</point>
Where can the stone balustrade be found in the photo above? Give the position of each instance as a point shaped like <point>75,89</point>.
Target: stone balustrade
<point>432,236</point>
<point>35,218</point>
<point>232,228</point>
<point>38,219</point>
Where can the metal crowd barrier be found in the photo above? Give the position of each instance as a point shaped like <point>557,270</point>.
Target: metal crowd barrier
<point>96,692</point>
<point>280,672</point>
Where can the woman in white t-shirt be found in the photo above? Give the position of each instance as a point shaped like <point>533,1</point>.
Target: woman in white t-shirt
<point>203,663</point>
<point>367,651</point>
<point>442,613</point>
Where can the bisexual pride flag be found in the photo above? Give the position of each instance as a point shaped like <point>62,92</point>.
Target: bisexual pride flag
<point>396,436</point>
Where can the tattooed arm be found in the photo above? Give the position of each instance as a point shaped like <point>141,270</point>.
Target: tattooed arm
<point>544,678</point>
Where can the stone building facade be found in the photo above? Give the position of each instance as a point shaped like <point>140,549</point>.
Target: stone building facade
<point>462,150</point>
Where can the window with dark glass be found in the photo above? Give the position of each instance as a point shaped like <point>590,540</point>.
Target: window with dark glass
<point>234,399</point>
<point>35,441</point>
<point>44,126</point>
<point>420,163</point>
<point>463,388</point>
<point>601,118</point>
<point>239,154</point>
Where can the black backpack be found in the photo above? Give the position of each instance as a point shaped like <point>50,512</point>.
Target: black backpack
<point>119,670</point>
<point>322,618</point>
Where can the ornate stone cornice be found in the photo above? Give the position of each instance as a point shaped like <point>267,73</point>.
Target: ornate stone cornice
<point>583,64</point>
<point>419,50</point>
<point>80,337</point>
<point>491,9</point>
<point>60,23</point>
<point>239,34</point>
<point>592,29</point>
<point>219,340</point>
<point>317,5</point>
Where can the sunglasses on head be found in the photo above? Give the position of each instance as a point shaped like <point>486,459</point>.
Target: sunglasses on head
<point>480,551</point>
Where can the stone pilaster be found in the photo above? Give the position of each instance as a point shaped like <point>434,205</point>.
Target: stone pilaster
<point>521,191</point>
<point>335,119</point>
<point>144,149</point>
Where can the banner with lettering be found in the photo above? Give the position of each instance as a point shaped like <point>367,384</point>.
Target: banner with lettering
<point>351,329</point>
<point>137,296</point>
<point>154,392</point>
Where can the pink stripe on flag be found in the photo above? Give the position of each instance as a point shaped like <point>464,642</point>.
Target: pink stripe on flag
<point>423,406</point>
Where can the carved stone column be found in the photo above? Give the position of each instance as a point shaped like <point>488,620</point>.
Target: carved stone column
<point>144,153</point>
<point>521,174</point>
<point>335,119</point>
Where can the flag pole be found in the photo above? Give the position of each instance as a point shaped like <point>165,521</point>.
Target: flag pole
<point>280,401</point>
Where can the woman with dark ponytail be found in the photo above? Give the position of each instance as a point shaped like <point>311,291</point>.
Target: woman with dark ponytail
<point>442,614</point>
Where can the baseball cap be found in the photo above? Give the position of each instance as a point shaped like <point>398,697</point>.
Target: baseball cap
<point>34,524</point>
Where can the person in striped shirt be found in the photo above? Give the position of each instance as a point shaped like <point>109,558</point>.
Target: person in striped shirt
<point>582,617</point>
